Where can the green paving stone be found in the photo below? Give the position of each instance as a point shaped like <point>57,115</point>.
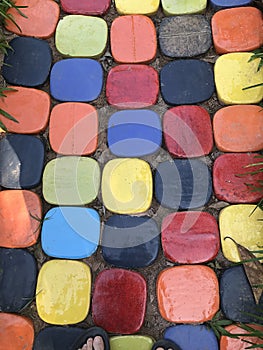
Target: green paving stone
<point>183,7</point>
<point>81,36</point>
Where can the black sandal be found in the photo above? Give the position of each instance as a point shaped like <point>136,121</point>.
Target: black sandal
<point>165,344</point>
<point>92,333</point>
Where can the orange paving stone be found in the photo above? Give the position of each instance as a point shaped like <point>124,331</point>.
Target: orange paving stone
<point>133,39</point>
<point>239,128</point>
<point>227,343</point>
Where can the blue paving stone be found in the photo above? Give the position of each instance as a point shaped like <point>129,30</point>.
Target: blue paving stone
<point>129,241</point>
<point>70,232</point>
<point>17,279</point>
<point>134,133</point>
<point>183,184</point>
<point>186,82</point>
<point>192,337</point>
<point>236,296</point>
<point>21,161</point>
<point>76,80</point>
<point>219,4</point>
<point>28,62</point>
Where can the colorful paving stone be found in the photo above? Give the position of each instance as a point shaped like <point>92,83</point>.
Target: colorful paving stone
<point>194,287</point>
<point>121,294</point>
<point>73,128</point>
<point>236,296</point>
<point>129,241</point>
<point>228,343</point>
<point>239,128</point>
<point>134,133</point>
<point>132,86</point>
<point>18,279</point>
<point>127,186</point>
<point>39,20</point>
<point>21,161</point>
<point>70,232</point>
<point>71,180</point>
<point>131,342</point>
<point>76,80</point>
<point>27,62</point>
<point>133,39</point>
<point>16,332</point>
<point>230,179</point>
<point>238,223</point>
<point>237,29</point>
<point>86,7</point>
<point>233,73</point>
<point>177,7</point>
<point>194,337</point>
<point>63,292</point>
<point>81,36</point>
<point>229,3</point>
<point>185,36</point>
<point>131,7</point>
<point>20,211</point>
<point>188,131</point>
<point>190,237</point>
<point>186,82</point>
<point>183,184</point>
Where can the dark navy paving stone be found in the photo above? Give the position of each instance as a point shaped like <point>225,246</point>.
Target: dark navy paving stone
<point>129,241</point>
<point>28,62</point>
<point>229,3</point>
<point>134,133</point>
<point>185,36</point>
<point>236,296</point>
<point>57,338</point>
<point>183,184</point>
<point>76,80</point>
<point>17,279</point>
<point>194,337</point>
<point>70,232</point>
<point>21,161</point>
<point>186,82</point>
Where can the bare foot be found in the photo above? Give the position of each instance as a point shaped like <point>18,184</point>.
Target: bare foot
<point>94,344</point>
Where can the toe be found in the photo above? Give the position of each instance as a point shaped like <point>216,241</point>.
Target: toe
<point>98,343</point>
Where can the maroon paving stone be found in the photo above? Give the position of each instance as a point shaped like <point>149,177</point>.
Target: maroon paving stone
<point>119,301</point>
<point>190,237</point>
<point>86,7</point>
<point>188,131</point>
<point>229,186</point>
<point>132,86</point>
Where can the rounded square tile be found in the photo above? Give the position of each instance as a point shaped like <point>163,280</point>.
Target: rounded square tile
<point>178,7</point>
<point>131,342</point>
<point>76,80</point>
<point>16,332</point>
<point>188,294</point>
<point>30,107</point>
<point>233,73</point>
<point>230,185</point>
<point>127,186</point>
<point>27,62</point>
<point>239,128</point>
<point>132,86</point>
<point>228,343</point>
<point>129,241</point>
<point>134,133</point>
<point>133,7</point>
<point>71,180</point>
<point>70,232</point>
<point>18,279</point>
<point>39,20</point>
<point>184,123</point>
<point>237,29</point>
<point>219,4</point>
<point>20,216</point>
<point>186,82</point>
<point>238,223</point>
<point>81,36</point>
<point>195,337</point>
<point>21,161</point>
<point>133,39</point>
<point>63,292</point>
<point>73,128</point>
<point>190,237</point>
<point>121,294</point>
<point>86,7</point>
<point>183,184</point>
<point>176,31</point>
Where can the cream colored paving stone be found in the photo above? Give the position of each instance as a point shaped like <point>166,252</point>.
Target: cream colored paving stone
<point>183,7</point>
<point>137,7</point>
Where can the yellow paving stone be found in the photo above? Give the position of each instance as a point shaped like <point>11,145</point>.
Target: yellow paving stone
<point>136,7</point>
<point>179,7</point>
